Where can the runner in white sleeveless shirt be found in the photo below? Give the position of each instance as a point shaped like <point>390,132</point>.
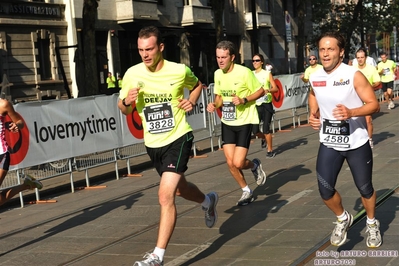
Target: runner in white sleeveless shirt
<point>340,98</point>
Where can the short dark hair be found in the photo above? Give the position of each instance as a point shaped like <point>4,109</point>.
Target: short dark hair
<point>149,31</point>
<point>227,45</point>
<point>383,53</point>
<point>333,34</point>
<point>362,49</point>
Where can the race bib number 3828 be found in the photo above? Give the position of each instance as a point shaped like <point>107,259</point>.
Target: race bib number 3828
<point>159,118</point>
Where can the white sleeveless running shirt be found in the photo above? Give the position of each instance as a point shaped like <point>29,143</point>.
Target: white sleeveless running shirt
<point>330,90</point>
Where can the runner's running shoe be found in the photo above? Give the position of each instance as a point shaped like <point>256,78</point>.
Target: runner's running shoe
<point>259,174</point>
<point>263,143</point>
<point>338,236</point>
<point>245,199</point>
<point>211,215</point>
<point>374,239</point>
<point>32,182</point>
<point>150,260</point>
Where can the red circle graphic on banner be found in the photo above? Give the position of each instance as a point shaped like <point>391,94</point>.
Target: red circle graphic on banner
<point>18,142</point>
<point>278,96</point>
<point>134,123</point>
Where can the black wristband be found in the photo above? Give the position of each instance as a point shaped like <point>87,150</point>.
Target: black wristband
<point>123,102</point>
<point>245,100</point>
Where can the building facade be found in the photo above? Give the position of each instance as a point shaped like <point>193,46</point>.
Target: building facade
<point>30,36</point>
<point>41,40</point>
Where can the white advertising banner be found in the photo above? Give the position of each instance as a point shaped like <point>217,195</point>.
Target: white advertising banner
<point>131,128</point>
<point>61,129</point>
<point>292,92</point>
<point>197,117</point>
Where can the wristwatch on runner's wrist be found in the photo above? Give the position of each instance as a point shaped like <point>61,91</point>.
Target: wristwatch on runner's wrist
<point>124,103</point>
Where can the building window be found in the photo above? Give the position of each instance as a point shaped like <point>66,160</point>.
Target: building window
<point>45,61</point>
<point>198,2</point>
<point>43,46</point>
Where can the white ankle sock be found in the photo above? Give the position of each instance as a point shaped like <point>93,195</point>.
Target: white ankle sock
<point>160,252</point>
<point>370,221</point>
<point>343,216</point>
<point>247,189</point>
<point>206,202</point>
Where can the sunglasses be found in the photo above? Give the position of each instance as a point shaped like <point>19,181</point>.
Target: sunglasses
<point>311,59</point>
<point>256,60</point>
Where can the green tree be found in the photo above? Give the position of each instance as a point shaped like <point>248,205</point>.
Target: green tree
<point>89,16</point>
<point>354,19</point>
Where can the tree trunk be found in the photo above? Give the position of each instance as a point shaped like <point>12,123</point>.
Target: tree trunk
<point>349,31</point>
<point>89,48</point>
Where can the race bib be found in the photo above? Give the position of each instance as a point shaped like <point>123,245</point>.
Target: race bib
<point>229,111</point>
<point>386,71</point>
<point>336,133</point>
<point>159,118</point>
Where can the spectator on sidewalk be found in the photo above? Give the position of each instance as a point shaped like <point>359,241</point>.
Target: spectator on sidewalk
<point>264,104</point>
<point>120,81</point>
<point>268,67</point>
<point>6,109</point>
<point>313,67</point>
<point>236,90</point>
<point>156,86</point>
<point>340,99</point>
<point>110,81</point>
<point>370,72</point>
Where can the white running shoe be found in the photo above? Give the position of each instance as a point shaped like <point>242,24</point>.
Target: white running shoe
<point>374,239</point>
<point>338,236</point>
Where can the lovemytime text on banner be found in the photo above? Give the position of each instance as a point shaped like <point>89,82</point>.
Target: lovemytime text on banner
<point>59,129</point>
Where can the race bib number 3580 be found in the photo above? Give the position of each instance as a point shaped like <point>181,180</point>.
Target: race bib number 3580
<point>159,118</point>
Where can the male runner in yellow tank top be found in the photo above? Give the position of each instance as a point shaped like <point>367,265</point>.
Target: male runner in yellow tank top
<point>236,90</point>
<point>156,86</point>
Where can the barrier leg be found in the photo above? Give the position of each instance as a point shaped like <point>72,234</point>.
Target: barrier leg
<point>88,183</point>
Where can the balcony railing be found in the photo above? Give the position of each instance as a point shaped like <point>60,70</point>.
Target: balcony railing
<point>264,20</point>
<point>131,10</point>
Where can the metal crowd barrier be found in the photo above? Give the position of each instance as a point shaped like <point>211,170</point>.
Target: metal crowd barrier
<point>84,163</point>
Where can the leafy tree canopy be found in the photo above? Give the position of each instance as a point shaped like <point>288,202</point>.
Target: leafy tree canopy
<point>355,19</point>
